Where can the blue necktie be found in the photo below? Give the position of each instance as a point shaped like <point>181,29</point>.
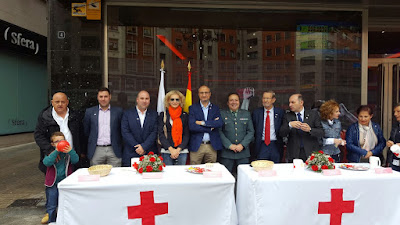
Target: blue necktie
<point>299,117</point>
<point>300,131</point>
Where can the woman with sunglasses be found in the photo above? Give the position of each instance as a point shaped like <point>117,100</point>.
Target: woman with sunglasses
<point>173,129</point>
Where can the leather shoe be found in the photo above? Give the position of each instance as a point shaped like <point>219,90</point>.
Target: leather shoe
<point>45,219</point>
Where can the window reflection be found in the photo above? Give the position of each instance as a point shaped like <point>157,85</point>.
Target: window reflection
<point>319,59</point>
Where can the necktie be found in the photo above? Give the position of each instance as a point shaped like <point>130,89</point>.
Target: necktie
<point>267,138</point>
<point>299,117</point>
<point>301,138</point>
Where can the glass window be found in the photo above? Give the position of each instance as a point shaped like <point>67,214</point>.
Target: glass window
<point>300,57</point>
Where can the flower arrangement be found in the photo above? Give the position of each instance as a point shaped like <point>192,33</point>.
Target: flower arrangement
<point>319,161</point>
<point>149,163</point>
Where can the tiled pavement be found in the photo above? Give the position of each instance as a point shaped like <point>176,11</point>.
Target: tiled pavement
<point>21,182</point>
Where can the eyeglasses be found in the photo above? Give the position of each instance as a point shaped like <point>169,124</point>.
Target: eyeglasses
<point>56,142</point>
<point>174,99</point>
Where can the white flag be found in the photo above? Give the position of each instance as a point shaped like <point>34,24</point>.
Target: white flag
<point>161,94</point>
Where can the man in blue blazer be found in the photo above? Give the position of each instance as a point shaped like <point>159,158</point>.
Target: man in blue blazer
<point>204,121</point>
<point>102,127</point>
<point>268,120</point>
<point>139,129</point>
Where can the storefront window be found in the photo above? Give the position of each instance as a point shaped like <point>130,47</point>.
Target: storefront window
<point>316,56</point>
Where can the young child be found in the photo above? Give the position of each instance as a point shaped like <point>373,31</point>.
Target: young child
<point>58,167</point>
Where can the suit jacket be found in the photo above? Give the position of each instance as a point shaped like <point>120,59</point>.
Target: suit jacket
<point>167,142</point>
<point>310,139</point>
<point>197,131</point>
<point>236,130</point>
<point>91,129</point>
<point>46,126</point>
<point>134,134</point>
<point>258,122</point>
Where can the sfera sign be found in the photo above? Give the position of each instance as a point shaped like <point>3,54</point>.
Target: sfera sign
<point>18,39</point>
<point>21,40</point>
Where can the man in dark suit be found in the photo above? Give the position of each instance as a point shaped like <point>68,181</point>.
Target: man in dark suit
<point>303,128</point>
<point>102,126</point>
<point>268,120</point>
<point>236,134</point>
<point>204,121</point>
<point>139,129</point>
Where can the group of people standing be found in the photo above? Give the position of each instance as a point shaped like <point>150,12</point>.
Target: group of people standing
<point>108,135</point>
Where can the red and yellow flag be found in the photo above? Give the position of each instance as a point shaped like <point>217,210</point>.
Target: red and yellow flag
<point>188,100</point>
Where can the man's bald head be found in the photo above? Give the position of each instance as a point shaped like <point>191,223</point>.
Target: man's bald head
<point>60,103</point>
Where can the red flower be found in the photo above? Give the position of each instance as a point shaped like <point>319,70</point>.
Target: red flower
<point>160,168</point>
<point>324,167</point>
<point>141,158</point>
<point>333,166</point>
<point>151,153</point>
<point>163,164</point>
<point>161,158</point>
<point>135,165</point>
<point>149,168</point>
<point>314,167</point>
<point>321,152</point>
<point>331,160</point>
<point>140,170</point>
<point>307,162</point>
<point>312,157</point>
<point>152,159</point>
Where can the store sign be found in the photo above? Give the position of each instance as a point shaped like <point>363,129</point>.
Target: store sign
<point>21,40</point>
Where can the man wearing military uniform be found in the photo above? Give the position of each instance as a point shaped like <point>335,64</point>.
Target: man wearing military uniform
<point>236,134</point>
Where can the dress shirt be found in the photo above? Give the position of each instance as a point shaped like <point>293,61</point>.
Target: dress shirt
<point>142,116</point>
<point>271,122</point>
<point>104,129</point>
<point>63,124</point>
<point>206,136</point>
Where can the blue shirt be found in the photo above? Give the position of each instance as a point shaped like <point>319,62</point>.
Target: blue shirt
<point>206,136</point>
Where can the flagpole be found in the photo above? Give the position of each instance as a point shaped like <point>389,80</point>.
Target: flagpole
<point>161,91</point>
<point>188,99</point>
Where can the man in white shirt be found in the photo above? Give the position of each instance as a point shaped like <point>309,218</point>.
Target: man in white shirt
<point>139,129</point>
<point>57,117</point>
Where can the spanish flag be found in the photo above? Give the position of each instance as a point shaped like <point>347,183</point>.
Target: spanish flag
<point>188,101</point>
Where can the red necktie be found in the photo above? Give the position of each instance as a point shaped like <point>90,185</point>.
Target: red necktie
<point>267,138</point>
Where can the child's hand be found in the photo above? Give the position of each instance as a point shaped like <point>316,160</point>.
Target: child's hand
<point>67,149</point>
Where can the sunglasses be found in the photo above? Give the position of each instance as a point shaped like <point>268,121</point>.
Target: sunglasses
<point>174,99</point>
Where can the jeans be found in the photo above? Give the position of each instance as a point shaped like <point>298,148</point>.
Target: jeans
<point>52,202</point>
<point>181,160</point>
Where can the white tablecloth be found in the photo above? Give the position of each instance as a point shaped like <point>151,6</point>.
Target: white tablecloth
<point>192,199</point>
<point>294,197</point>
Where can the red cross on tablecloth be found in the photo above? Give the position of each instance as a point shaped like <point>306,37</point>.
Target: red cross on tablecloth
<point>336,207</point>
<point>148,210</point>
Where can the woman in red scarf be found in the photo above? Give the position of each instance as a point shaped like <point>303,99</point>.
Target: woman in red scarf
<point>173,129</point>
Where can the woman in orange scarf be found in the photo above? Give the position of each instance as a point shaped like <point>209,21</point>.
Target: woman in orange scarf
<point>173,130</point>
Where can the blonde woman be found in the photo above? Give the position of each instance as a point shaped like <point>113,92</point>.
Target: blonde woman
<point>173,129</point>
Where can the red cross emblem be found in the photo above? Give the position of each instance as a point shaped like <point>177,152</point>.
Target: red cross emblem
<point>148,210</point>
<point>336,207</point>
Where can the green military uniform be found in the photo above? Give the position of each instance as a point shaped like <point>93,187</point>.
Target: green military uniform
<point>237,129</point>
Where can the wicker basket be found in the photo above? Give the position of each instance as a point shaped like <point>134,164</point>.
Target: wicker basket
<point>102,170</point>
<point>260,165</point>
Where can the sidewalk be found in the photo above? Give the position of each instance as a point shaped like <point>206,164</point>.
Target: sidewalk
<point>22,196</point>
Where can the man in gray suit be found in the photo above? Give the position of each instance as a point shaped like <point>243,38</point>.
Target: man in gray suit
<point>236,134</point>
<point>303,129</point>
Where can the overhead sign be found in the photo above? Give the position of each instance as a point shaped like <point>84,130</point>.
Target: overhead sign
<point>93,10</point>
<point>20,40</point>
<point>78,9</point>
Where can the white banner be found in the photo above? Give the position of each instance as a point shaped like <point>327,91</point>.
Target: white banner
<point>306,197</point>
<point>124,197</point>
